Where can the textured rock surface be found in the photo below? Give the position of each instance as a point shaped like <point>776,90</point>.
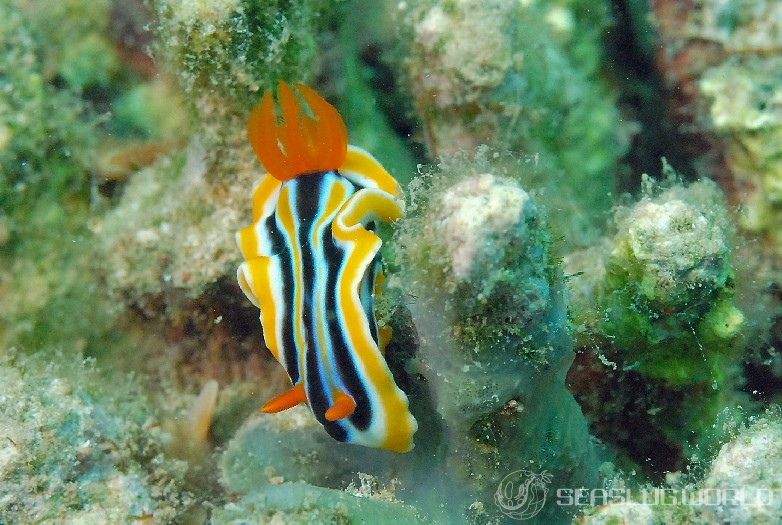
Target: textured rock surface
<point>72,454</point>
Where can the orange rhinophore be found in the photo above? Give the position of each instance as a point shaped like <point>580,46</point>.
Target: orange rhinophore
<point>300,144</point>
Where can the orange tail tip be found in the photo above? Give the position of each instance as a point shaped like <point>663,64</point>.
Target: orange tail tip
<point>344,406</point>
<point>299,144</point>
<point>288,399</point>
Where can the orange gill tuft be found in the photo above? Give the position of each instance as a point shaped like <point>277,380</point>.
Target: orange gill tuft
<point>299,144</point>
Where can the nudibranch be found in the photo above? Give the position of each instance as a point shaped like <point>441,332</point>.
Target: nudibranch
<point>312,267</point>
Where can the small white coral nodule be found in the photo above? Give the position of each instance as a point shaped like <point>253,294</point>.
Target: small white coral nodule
<point>474,210</point>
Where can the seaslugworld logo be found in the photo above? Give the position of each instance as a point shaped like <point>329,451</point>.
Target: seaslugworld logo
<point>522,493</point>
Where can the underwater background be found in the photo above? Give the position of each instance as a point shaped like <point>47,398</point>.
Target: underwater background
<point>584,293</point>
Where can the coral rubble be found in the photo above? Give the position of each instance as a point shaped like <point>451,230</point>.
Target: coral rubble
<point>667,288</point>
<point>657,303</point>
<point>488,305</point>
<point>740,486</point>
<point>72,451</point>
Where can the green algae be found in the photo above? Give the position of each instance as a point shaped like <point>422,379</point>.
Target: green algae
<point>523,77</point>
<point>151,110</point>
<point>91,62</point>
<point>748,113</point>
<point>238,48</point>
<point>485,241</point>
<point>75,33</point>
<point>44,193</point>
<point>668,297</point>
<point>358,102</point>
<point>33,146</point>
<point>50,194</point>
<point>659,301</point>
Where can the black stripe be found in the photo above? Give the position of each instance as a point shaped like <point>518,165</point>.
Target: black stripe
<point>306,200</point>
<point>368,282</point>
<point>367,299</point>
<point>335,258</point>
<point>310,191</point>
<point>316,396</point>
<point>282,252</point>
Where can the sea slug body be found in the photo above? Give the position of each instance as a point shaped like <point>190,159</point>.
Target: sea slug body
<point>312,267</point>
